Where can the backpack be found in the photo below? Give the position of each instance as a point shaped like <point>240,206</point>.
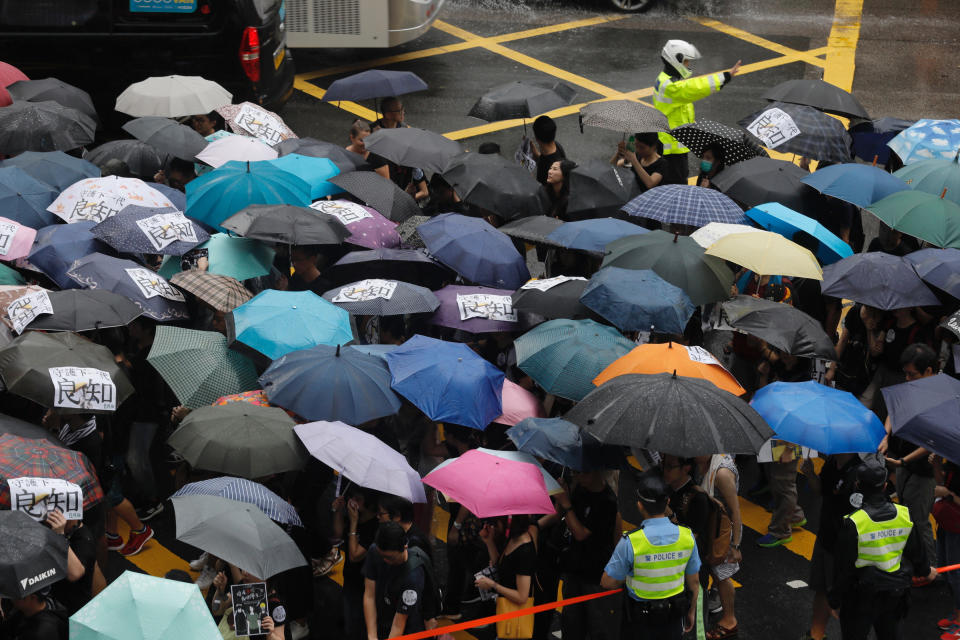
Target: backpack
<point>719,531</point>
<point>432,594</point>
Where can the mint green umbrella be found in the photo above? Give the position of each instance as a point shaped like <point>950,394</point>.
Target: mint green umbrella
<point>9,276</point>
<point>921,215</point>
<point>136,606</point>
<point>239,258</point>
<point>939,177</point>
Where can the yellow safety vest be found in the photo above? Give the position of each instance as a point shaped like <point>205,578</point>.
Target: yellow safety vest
<point>675,98</point>
<point>659,570</point>
<point>880,544</point>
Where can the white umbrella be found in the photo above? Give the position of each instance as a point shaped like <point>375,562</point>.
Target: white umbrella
<point>97,199</point>
<point>172,97</point>
<point>713,231</point>
<point>242,148</point>
<point>553,487</point>
<point>361,458</point>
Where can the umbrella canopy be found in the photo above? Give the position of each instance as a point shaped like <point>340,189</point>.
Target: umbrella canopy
<point>172,97</point>
<point>788,223</point>
<point>518,404</point>
<point>921,215</point>
<point>760,180</point>
<point>54,168</point>
<point>409,237</point>
<point>858,184</point>
<point>287,224</point>
<point>86,310</point>
<point>58,246</point>
<point>143,160</point>
<point>362,458</point>
<point>10,74</point>
<point>870,138</point>
<point>43,126</point>
<point>235,149</point>
<point>378,297</point>
<point>374,83</point>
<point>553,298</point>
<point>522,100</point>
<point>222,293</point>
<point>926,412</point>
<point>24,429</point>
<point>413,147</point>
<point>140,607</point>
<point>248,119</point>
<point>16,239</point>
<point>475,309</point>
<point>137,229</point>
<point>736,144</point>
<point>553,439</point>
<point>593,235</point>
<point>218,194</point>
<point>767,253</point>
<point>64,371</point>
<point>150,291</point>
<point>713,231</point>
<point>939,267</point>
<point>22,457</point>
<point>878,280</point>
<point>330,383</point>
<point>313,171</point>
<point>817,416</point>
<point>670,413</point>
<point>32,557</point>
<point>168,136</point>
<point>475,250</point>
<point>239,258</point>
<point>97,199</point>
<point>378,192</point>
<point>491,182</point>
<point>448,381</point>
<point>490,486</point>
<point>927,139</point>
<point>10,277</point>
<point>25,199</point>
<point>532,229</point>
<point>939,177</point>
<point>198,367</point>
<point>236,532</point>
<point>366,227</point>
<point>239,439</point>
<point>782,326</point>
<point>278,322</point>
<point>598,189</point>
<point>678,260</point>
<point>820,95</point>
<point>623,116</point>
<point>406,265</point>
<point>792,128</point>
<point>563,356</point>
<point>313,148</point>
<point>685,204</point>
<point>691,362</point>
<point>638,300</point>
<point>243,490</point>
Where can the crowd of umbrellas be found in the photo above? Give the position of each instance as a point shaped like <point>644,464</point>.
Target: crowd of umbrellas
<point>288,377</point>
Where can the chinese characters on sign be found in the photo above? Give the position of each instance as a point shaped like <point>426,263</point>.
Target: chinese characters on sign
<point>774,127</point>
<point>163,229</point>
<point>24,309</point>
<point>83,388</point>
<point>345,212</point>
<point>39,496</point>
<point>152,285</point>
<point>701,355</point>
<point>549,283</point>
<point>481,305</point>
<point>95,205</point>
<point>7,232</point>
<point>260,124</point>
<point>367,290</point>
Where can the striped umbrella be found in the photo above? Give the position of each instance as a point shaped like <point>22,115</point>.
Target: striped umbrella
<point>685,204</point>
<point>375,297</point>
<point>243,490</point>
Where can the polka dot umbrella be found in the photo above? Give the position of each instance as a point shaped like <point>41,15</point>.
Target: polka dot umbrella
<point>699,135</point>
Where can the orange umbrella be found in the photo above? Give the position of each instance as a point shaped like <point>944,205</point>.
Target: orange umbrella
<point>692,362</point>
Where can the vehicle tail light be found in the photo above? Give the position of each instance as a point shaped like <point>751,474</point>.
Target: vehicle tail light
<point>250,53</point>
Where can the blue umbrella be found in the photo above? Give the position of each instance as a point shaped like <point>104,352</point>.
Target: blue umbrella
<point>939,177</point>
<point>927,413</point>
<point>239,258</point>
<point>594,234</point>
<point>313,171</point>
<point>775,217</point>
<point>564,356</point>
<point>475,250</point>
<point>685,204</point>
<point>554,439</point>
<point>215,196</point>
<point>57,246</point>
<point>927,139</point>
<point>55,168</point>
<point>243,490</point>
<point>638,300</point>
<point>878,280</point>
<point>24,199</point>
<point>123,233</point>
<point>870,138</point>
<point>332,384</point>
<point>820,417</point>
<point>939,267</point>
<point>374,83</point>
<point>378,350</point>
<point>157,298</point>
<point>277,322</point>
<point>859,184</point>
<point>448,381</point>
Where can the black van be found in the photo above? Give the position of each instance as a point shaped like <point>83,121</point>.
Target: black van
<point>103,46</point>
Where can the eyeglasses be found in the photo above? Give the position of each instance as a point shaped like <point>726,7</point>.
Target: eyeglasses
<point>400,110</point>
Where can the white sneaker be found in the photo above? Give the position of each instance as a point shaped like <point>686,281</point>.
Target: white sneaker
<point>299,630</point>
<point>200,562</point>
<point>206,578</point>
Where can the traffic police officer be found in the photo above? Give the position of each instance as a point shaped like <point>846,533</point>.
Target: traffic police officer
<point>878,551</point>
<point>656,561</point>
<point>674,94</point>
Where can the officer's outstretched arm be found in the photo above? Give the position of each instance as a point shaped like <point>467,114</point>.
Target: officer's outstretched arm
<point>693,89</point>
<point>609,583</point>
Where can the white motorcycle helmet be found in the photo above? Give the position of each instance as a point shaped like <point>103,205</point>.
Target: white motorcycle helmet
<point>676,52</point>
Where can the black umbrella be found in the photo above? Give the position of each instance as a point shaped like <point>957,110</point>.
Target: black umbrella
<point>599,190</point>
<point>85,310</point>
<point>408,265</point>
<point>286,223</point>
<point>819,95</point>
<point>533,229</point>
<point>43,126</point>
<point>812,134</point>
<point>559,301</point>
<point>374,83</point>
<point>522,100</point>
<point>736,144</point>
<point>345,160</point>
<point>878,280</point>
<point>782,326</point>
<point>409,236</point>
<point>379,193</point>
<point>670,414</point>
<point>32,556</point>
<point>28,430</point>
<point>490,182</point>
<point>623,116</point>
<point>55,90</point>
<point>412,147</point>
<point>142,159</point>
<point>169,137</point>
<point>760,180</point>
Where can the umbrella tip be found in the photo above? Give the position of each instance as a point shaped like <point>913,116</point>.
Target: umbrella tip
<point>674,374</point>
<point>676,236</point>
<point>670,344</point>
<point>338,351</point>
<point>943,193</point>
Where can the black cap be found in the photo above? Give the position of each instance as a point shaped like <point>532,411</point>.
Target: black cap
<point>871,477</point>
<point>651,489</point>
<point>391,537</point>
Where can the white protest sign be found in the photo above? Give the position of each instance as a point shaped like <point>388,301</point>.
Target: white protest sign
<point>83,388</point>
<point>774,126</point>
<point>7,231</point>
<point>24,309</point>
<point>345,212</point>
<point>260,124</point>
<point>482,305</point>
<point>367,290</point>
<point>701,355</point>
<point>163,229</point>
<point>39,496</point>
<point>152,285</point>
<point>549,283</point>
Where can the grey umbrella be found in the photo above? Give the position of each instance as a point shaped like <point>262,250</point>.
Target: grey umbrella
<point>379,193</point>
<point>168,136</point>
<point>816,135</point>
<point>491,182</point>
<point>782,326</point>
<point>376,297</point>
<point>671,414</point>
<point>238,532</point>
<point>286,223</point>
<point>599,190</point>
<point>760,180</point>
<point>32,557</point>
<point>55,90</point>
<point>86,310</point>
<point>43,126</point>
<point>819,95</point>
<point>412,147</point>
<point>623,116</point>
<point>532,229</point>
<point>522,100</point>
<point>142,159</point>
<point>407,230</point>
<point>345,160</point>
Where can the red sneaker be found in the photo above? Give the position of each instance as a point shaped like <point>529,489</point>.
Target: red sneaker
<point>114,542</point>
<point>136,541</point>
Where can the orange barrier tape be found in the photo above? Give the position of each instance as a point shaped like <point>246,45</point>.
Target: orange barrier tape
<point>430,633</point>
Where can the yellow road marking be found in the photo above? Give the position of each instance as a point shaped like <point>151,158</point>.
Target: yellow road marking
<point>352,107</point>
<point>155,559</point>
<point>756,518</point>
<point>757,40</point>
<point>844,35</point>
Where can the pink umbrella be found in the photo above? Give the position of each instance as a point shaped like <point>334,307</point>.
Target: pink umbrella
<point>518,403</point>
<point>8,75</point>
<point>489,486</point>
<point>367,227</point>
<point>16,240</point>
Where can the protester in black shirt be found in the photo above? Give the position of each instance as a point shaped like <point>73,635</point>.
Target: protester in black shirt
<point>306,274</point>
<point>74,593</point>
<point>357,519</point>
<point>547,150</point>
<point>555,194</point>
<point>512,551</point>
<point>649,168</point>
<point>34,617</point>
<point>712,162</point>
<point>396,509</point>
<point>394,585</point>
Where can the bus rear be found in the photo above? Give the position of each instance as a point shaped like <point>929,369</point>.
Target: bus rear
<point>357,23</point>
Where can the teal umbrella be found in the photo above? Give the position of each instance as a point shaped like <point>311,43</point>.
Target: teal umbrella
<point>10,276</point>
<point>939,177</point>
<point>921,215</point>
<point>138,606</point>
<point>239,258</point>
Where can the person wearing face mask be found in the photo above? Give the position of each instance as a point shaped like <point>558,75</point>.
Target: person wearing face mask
<point>711,163</point>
